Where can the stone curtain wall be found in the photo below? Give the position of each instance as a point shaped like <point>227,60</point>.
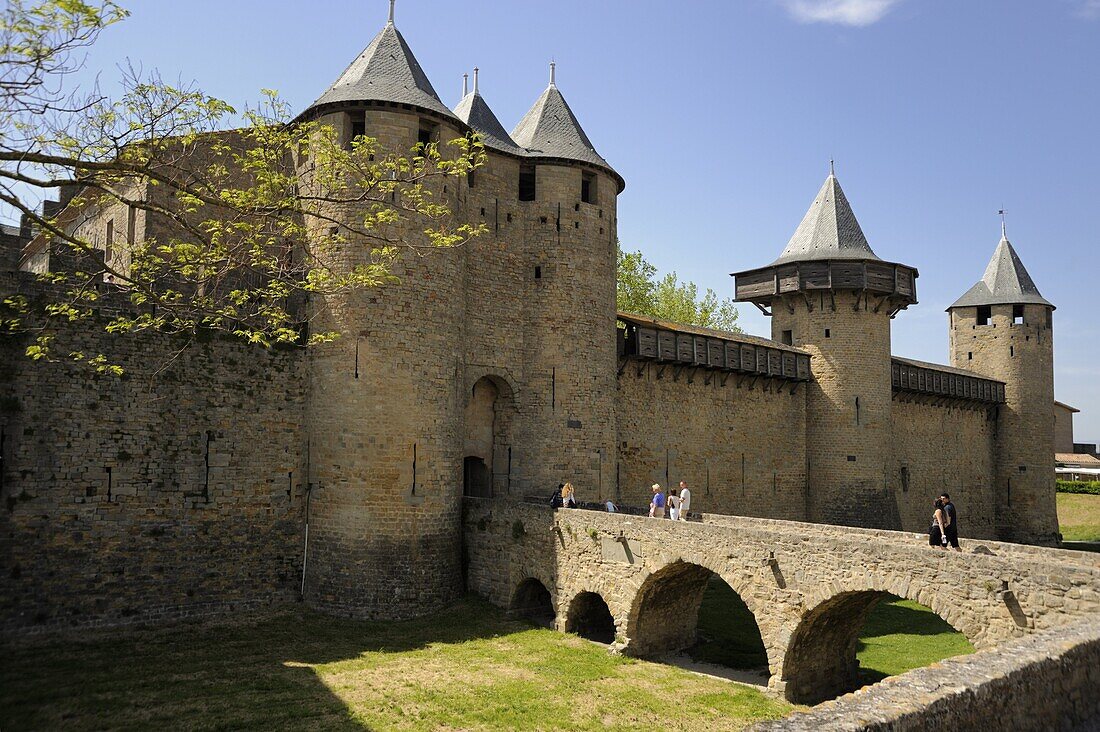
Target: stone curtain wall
<point>939,448</point>
<point>1047,681</point>
<point>806,584</point>
<point>740,445</point>
<point>148,497</point>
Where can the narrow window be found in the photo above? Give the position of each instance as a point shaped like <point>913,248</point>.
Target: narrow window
<point>827,334</point>
<point>527,183</point>
<point>985,312</point>
<point>970,356</point>
<point>428,132</point>
<point>787,337</point>
<point>131,226</point>
<point>538,272</point>
<point>1011,351</point>
<point>109,244</point>
<point>1017,314</point>
<point>358,126</point>
<point>471,181</point>
<point>857,411</point>
<point>588,187</point>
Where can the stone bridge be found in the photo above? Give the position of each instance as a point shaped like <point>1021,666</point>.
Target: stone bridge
<point>638,582</point>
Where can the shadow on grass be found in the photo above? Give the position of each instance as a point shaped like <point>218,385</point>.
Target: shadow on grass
<point>728,634</point>
<point>223,676</point>
<point>900,635</point>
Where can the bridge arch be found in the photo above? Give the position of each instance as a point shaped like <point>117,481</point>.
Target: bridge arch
<point>820,661</point>
<point>589,616</point>
<point>664,613</point>
<point>533,601</point>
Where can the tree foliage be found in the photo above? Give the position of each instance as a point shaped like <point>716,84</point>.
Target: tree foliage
<point>243,225</point>
<point>640,291</point>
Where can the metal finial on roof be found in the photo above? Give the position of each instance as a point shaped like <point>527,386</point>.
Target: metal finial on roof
<point>832,168</point>
<point>476,71</point>
<point>1004,234</point>
<point>465,84</point>
<point>390,21</point>
<point>552,74</point>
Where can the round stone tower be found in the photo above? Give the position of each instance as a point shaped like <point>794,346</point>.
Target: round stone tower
<point>830,294</point>
<point>384,414</point>
<point>1002,328</point>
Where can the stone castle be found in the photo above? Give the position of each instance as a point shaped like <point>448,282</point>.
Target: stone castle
<point>498,370</point>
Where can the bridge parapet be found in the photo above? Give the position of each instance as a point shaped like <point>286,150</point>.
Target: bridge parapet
<point>809,586</point>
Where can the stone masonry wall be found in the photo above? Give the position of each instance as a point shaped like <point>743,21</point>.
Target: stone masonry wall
<point>741,446</point>
<point>1048,681</point>
<point>945,447</point>
<point>151,496</point>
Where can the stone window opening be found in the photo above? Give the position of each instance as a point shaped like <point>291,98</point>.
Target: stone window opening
<point>1017,314</point>
<point>970,356</point>
<point>527,184</point>
<point>787,337</point>
<point>109,242</point>
<point>588,187</point>
<point>357,127</point>
<point>985,312</point>
<point>471,179</point>
<point>538,272</point>
<point>427,134</point>
<point>828,334</point>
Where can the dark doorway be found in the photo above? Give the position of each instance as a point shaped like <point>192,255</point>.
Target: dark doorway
<point>589,617</point>
<point>477,481</point>
<point>532,601</point>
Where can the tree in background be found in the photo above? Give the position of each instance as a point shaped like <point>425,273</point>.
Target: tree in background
<point>244,226</point>
<point>639,291</point>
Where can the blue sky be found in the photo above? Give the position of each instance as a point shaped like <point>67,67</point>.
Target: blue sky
<point>723,115</point>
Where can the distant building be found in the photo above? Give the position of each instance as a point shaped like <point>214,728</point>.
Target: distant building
<point>1063,427</point>
<point>1076,466</point>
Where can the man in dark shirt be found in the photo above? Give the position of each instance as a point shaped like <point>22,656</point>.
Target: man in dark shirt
<point>952,531</point>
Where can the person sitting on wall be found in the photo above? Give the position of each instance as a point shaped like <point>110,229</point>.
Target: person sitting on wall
<point>568,499</point>
<point>611,507</point>
<point>936,532</point>
<point>952,533</point>
<point>657,505</point>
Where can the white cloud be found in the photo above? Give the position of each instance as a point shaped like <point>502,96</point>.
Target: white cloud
<point>846,12</point>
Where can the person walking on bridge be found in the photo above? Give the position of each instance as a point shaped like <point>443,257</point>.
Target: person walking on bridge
<point>951,532</point>
<point>657,505</point>
<point>685,500</point>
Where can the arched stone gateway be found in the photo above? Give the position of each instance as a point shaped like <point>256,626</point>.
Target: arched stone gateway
<point>487,442</point>
<point>589,617</point>
<point>533,601</point>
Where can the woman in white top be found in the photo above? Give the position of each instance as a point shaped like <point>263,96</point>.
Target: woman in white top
<point>673,506</point>
<point>568,500</point>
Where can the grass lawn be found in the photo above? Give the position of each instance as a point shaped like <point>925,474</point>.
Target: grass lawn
<point>899,635</point>
<point>466,668</point>
<point>1079,516</point>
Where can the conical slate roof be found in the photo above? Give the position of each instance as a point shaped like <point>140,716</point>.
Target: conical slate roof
<point>829,230</point>
<point>1005,282</point>
<point>387,71</point>
<point>476,113</point>
<point>549,129</point>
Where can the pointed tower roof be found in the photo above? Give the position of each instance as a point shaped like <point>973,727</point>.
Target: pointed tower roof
<point>1005,282</point>
<point>829,230</point>
<point>474,111</point>
<point>386,71</point>
<point>551,130</point>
